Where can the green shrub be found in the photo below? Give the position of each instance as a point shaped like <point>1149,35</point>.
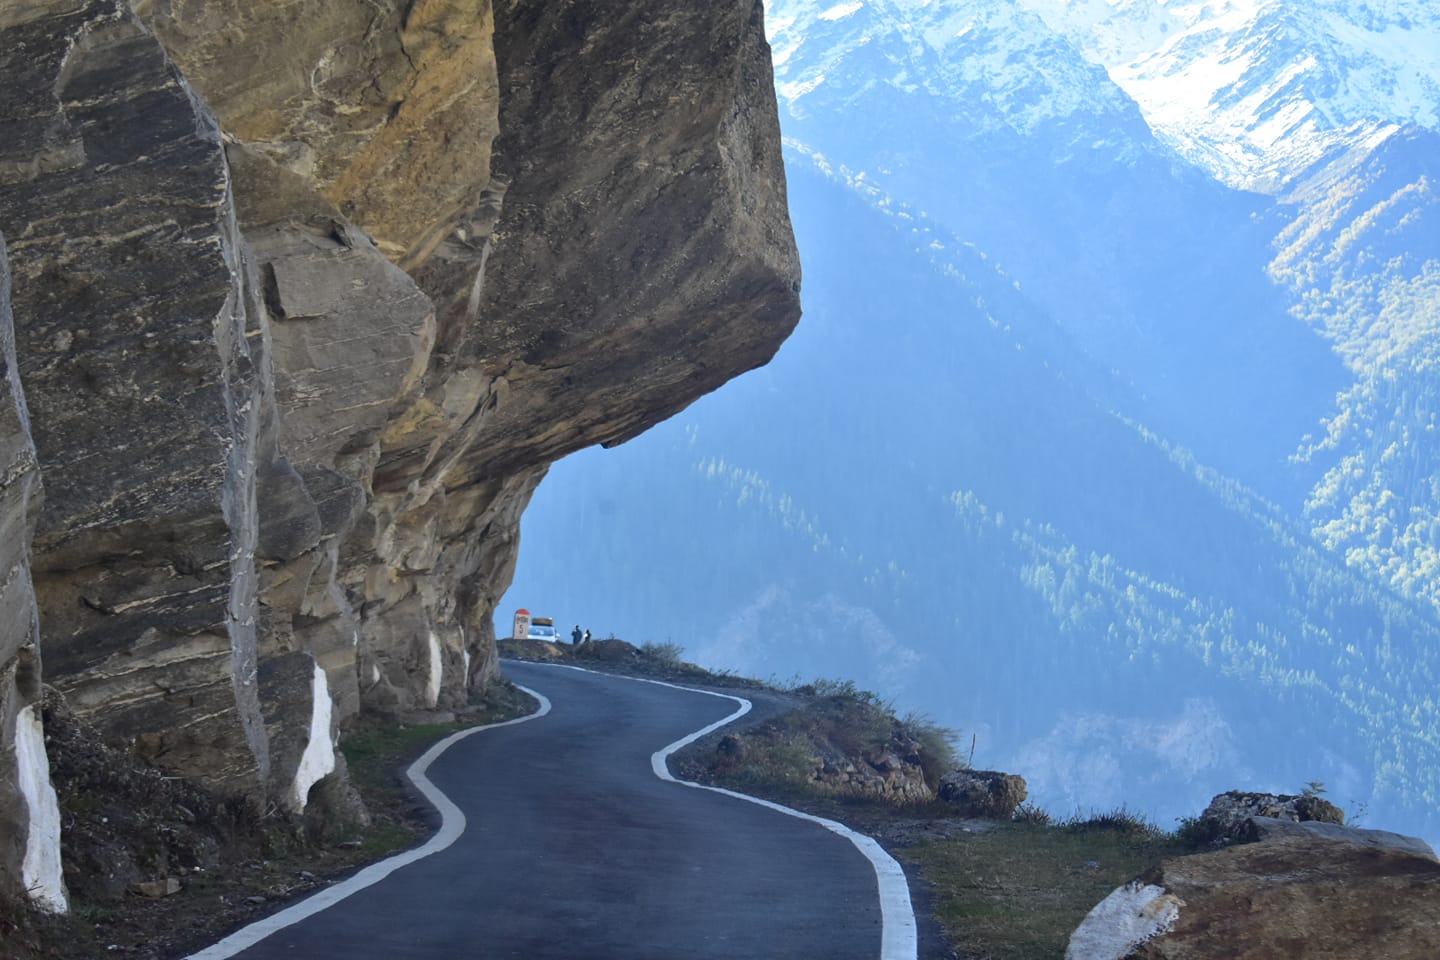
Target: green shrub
<point>1032,813</point>
<point>1197,832</point>
<point>1119,820</point>
<point>843,689</point>
<point>937,746</point>
<point>664,652</point>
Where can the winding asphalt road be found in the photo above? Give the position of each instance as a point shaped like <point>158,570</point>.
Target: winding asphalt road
<point>570,846</point>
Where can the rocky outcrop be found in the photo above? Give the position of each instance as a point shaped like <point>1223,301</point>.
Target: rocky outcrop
<point>1292,896</point>
<point>983,794</point>
<point>1266,828</point>
<point>387,109</point>
<point>364,150</point>
<point>300,337</point>
<point>1229,815</point>
<point>880,773</point>
<point>629,251</point>
<point>645,254</point>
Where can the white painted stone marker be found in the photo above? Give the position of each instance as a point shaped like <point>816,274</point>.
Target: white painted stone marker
<point>1131,915</point>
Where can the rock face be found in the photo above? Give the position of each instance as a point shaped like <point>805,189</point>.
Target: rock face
<point>692,267</point>
<point>985,794</point>
<point>299,338</point>
<point>1265,828</point>
<point>29,818</point>
<point>1294,896</point>
<point>146,397</point>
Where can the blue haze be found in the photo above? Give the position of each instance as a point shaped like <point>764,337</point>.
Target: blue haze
<point>1027,466</point>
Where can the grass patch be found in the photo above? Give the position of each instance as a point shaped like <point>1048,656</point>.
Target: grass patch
<point>1017,891</point>
<point>937,746</point>
<point>838,746</point>
<point>378,751</point>
<point>662,652</point>
<point>375,752</point>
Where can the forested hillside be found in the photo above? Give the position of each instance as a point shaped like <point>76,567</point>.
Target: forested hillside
<point>1109,434</point>
<point>923,492</point>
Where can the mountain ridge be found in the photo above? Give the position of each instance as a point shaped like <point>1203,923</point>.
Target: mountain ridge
<point>1153,551</point>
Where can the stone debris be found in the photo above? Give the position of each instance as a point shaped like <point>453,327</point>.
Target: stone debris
<point>155,889</point>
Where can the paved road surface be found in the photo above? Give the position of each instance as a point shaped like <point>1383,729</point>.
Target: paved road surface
<point>575,850</point>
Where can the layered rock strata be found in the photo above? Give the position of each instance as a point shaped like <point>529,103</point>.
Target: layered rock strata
<point>136,351</point>
<point>300,337</point>
<point>29,817</point>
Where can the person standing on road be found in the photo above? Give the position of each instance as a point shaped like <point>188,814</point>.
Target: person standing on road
<point>575,636</point>
<point>587,636</point>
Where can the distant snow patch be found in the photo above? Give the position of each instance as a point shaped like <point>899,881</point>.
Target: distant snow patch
<point>842,10</point>
<point>40,870</point>
<point>318,761</point>
<point>467,668</point>
<point>1131,915</point>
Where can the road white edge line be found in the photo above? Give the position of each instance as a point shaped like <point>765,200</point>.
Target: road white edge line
<point>898,929</point>
<point>452,825</point>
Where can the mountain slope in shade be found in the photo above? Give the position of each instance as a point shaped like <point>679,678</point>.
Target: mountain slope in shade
<point>1007,469</point>
<point>955,514</point>
<point>1037,158</point>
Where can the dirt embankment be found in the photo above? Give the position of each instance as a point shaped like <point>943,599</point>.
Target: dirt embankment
<point>157,867</point>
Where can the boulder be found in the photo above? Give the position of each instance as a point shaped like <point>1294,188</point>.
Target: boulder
<point>1228,815</point>
<point>155,889</point>
<point>983,794</point>
<point>335,810</point>
<point>1291,896</point>
<point>1265,828</point>
<point>731,749</point>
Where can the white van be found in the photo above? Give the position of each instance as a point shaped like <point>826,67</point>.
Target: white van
<point>543,628</point>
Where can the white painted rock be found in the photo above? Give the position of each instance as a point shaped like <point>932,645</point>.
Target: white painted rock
<point>1131,915</point>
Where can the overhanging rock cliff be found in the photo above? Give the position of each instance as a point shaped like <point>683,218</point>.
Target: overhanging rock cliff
<point>306,299</point>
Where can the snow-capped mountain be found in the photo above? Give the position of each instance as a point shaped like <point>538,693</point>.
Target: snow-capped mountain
<point>993,65</point>
<point>1256,91</point>
<point>1253,91</point>
<point>1063,495</point>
